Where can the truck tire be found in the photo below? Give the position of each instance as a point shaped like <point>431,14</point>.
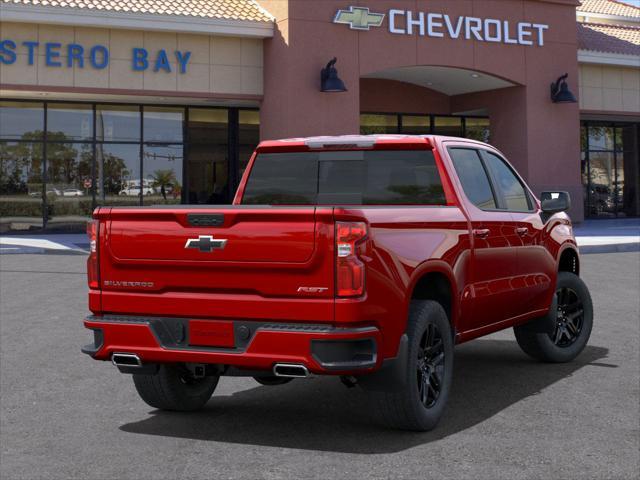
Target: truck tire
<point>174,388</point>
<point>271,380</point>
<point>419,403</point>
<point>572,328</point>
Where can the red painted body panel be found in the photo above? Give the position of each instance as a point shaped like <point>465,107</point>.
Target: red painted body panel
<point>279,266</point>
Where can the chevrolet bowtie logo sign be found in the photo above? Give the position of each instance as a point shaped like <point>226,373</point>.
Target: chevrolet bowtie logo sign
<point>359,18</point>
<point>206,243</point>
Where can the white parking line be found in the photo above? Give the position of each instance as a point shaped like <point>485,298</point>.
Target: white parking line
<point>32,242</point>
<point>610,240</point>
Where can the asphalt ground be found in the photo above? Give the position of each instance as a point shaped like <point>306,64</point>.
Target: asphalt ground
<point>66,416</point>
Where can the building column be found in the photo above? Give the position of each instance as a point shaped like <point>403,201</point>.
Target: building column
<point>293,104</point>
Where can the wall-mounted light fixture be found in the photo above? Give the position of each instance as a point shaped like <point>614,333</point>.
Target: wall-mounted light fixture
<point>329,80</point>
<point>560,92</point>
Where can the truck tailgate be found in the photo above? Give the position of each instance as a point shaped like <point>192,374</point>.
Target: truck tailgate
<point>218,261</point>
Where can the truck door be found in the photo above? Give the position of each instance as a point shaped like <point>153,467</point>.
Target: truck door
<point>494,260</point>
<point>536,267</point>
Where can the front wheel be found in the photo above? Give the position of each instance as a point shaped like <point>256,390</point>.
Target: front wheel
<point>174,387</point>
<point>419,404</point>
<point>572,326</point>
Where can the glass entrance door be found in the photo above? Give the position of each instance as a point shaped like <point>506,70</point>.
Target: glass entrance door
<point>610,169</point>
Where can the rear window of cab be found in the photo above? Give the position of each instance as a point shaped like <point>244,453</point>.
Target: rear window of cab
<point>353,177</point>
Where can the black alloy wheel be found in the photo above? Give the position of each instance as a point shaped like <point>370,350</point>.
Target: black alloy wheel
<point>570,317</point>
<point>430,366</point>
<point>560,335</point>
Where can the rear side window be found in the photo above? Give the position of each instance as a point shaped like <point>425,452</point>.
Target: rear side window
<point>473,177</point>
<point>348,178</point>
<point>510,189</point>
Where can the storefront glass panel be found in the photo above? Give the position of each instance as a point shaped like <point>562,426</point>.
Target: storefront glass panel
<point>162,124</point>
<point>477,129</point>
<point>379,124</point>
<point>69,169</point>
<point>602,184</point>
<point>21,121</point>
<point>118,123</point>
<point>416,124</point>
<point>162,166</point>
<point>21,186</point>
<point>248,136</point>
<point>107,154</point>
<point>208,156</point>
<point>610,166</point>
<point>68,122</point>
<point>449,126</point>
<point>601,137</point>
<point>118,174</point>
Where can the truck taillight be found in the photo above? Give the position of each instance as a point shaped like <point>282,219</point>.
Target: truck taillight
<point>92,262</point>
<point>349,268</point>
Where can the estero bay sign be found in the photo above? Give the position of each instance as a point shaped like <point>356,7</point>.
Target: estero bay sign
<point>93,56</point>
<point>441,25</point>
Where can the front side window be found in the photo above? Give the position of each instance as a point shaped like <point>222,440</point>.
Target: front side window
<point>510,189</point>
<point>348,178</point>
<point>473,177</point>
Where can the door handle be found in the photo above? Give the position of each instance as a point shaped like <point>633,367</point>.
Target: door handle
<point>481,232</point>
<point>522,231</point>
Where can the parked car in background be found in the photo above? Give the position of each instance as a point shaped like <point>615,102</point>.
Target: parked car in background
<point>364,257</point>
<point>50,191</point>
<point>135,190</point>
<point>72,192</point>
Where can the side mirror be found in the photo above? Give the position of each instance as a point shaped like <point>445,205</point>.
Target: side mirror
<point>555,202</point>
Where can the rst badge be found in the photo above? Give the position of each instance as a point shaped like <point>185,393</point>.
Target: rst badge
<point>312,289</point>
<point>206,243</point>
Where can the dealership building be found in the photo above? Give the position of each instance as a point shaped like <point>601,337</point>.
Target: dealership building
<point>143,102</point>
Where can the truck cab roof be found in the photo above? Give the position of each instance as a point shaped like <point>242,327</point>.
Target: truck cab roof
<point>355,141</point>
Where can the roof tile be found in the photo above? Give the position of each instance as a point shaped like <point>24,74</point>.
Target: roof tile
<point>609,7</point>
<point>609,38</point>
<point>222,9</point>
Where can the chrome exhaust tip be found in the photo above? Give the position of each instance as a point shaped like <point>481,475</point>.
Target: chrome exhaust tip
<point>126,360</point>
<point>290,370</point>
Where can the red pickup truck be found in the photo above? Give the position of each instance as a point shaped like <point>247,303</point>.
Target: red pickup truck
<point>363,257</point>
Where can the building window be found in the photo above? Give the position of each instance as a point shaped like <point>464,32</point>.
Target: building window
<point>477,128</point>
<point>248,136</point>
<point>449,126</point>
<point>208,155</point>
<point>21,185</point>
<point>379,124</point>
<point>59,160</point>
<point>610,167</point>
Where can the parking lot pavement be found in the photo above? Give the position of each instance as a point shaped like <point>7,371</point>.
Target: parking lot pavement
<point>65,416</point>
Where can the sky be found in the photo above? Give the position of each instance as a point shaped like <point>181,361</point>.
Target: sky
<point>635,3</point>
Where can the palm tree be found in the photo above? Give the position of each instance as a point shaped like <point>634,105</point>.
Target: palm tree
<point>163,178</point>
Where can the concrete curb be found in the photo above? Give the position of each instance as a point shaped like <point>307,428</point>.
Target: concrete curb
<point>619,248</point>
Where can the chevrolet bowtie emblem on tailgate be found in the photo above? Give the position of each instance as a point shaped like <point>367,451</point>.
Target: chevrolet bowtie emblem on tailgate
<point>206,243</point>
<point>359,18</point>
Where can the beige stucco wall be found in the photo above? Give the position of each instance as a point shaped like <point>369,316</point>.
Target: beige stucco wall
<point>609,88</point>
<point>218,65</point>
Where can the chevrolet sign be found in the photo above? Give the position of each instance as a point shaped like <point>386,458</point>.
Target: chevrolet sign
<point>441,25</point>
<point>359,18</point>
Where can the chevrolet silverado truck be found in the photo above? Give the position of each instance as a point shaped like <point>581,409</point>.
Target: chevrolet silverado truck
<point>362,257</point>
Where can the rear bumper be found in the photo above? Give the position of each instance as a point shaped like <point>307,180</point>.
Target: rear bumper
<point>323,349</point>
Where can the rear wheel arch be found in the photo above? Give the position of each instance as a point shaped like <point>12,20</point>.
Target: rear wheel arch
<point>436,283</point>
